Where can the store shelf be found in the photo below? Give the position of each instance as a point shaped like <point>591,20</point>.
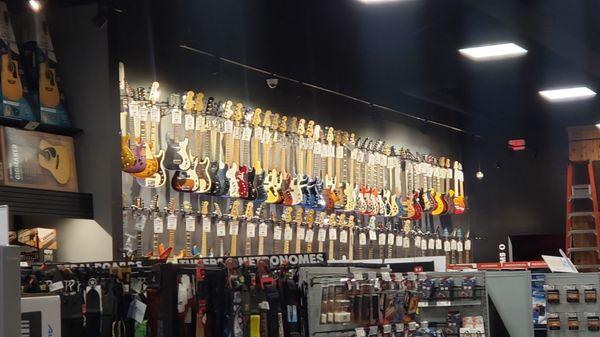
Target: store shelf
<point>460,303</point>
<point>27,201</point>
<point>48,128</point>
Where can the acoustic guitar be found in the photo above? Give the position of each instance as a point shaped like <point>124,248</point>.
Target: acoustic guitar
<point>57,159</point>
<point>12,88</point>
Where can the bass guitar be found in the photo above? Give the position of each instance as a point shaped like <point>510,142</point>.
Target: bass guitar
<point>187,180</point>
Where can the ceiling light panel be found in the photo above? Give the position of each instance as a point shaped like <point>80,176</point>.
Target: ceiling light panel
<point>493,51</point>
<point>567,94</point>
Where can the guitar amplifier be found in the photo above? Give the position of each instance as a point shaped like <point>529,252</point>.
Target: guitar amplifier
<point>39,160</point>
<point>40,316</point>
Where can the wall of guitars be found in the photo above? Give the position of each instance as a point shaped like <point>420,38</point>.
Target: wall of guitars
<point>207,176</point>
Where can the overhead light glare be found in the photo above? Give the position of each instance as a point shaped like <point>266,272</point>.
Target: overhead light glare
<point>35,5</point>
<point>567,94</point>
<point>376,1</point>
<point>493,51</point>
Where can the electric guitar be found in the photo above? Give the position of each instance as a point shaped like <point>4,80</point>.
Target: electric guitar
<point>221,227</point>
<point>330,178</point>
<point>172,220</point>
<point>459,200</point>
<point>295,190</point>
<point>187,180</point>
<point>176,156</point>
<point>139,160</point>
<point>259,177</point>
<point>213,117</point>
<point>157,229</point>
<point>201,143</point>
<point>234,226</point>
<point>189,217</point>
<point>442,206</point>
<point>449,195</point>
<point>151,162</point>
<point>234,151</point>
<point>139,219</point>
<point>154,161</point>
<point>127,157</point>
<point>307,233</point>
<point>206,228</point>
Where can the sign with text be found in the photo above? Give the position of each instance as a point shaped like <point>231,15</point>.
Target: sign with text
<point>306,259</point>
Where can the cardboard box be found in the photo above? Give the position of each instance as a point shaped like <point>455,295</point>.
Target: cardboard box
<point>40,315</point>
<point>14,94</point>
<point>39,238</point>
<point>39,160</point>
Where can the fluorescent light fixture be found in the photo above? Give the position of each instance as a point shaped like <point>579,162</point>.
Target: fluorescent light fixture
<point>35,5</point>
<point>376,1</point>
<point>567,94</point>
<point>493,51</point>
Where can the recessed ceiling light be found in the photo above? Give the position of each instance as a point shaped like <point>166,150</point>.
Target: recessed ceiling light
<point>567,94</point>
<point>35,5</point>
<point>493,51</point>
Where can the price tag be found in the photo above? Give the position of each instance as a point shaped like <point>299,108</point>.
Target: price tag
<point>453,244</point>
<point>158,225</point>
<point>373,330</point>
<point>360,332</point>
<point>339,152</point>
<point>206,224</point>
<point>300,231</point>
<point>56,286</point>
<point>443,303</point>
<point>277,233</point>
<point>190,223</point>
<point>140,223</point>
<point>398,240</point>
<point>372,235</point>
<point>258,133</point>
<point>175,116</point>
<point>344,236</point>
<point>309,143</point>
<point>353,154</point>
<point>468,245</point>
<point>134,110</point>
<point>247,134</point>
<point>423,304</point>
<point>266,136</point>
<point>143,113</point>
<point>459,246</point>
<point>387,328</point>
<point>321,235</point>
<point>362,239</point>
<point>228,127</point>
<point>332,233</point>
<point>189,122</point>
<point>287,233</point>
<point>406,242</point>
<point>200,122</point>
<point>172,222</point>
<point>234,227</point>
<point>417,241</point>
<point>360,156</point>
<point>263,230</point>
<point>371,160</point>
<point>384,161</point>
<point>358,276</point>
<point>385,276</point>
<point>317,148</point>
<point>309,235</point>
<point>438,244</point>
<point>221,231</point>
<point>381,240</point>
<point>424,244</point>
<point>155,114</point>
<point>251,230</point>
<point>446,246</point>
<point>390,239</point>
<point>431,244</point>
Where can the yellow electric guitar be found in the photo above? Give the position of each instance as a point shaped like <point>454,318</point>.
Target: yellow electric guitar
<point>57,159</point>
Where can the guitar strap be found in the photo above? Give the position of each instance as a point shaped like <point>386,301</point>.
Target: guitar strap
<point>291,298</point>
<point>274,314</point>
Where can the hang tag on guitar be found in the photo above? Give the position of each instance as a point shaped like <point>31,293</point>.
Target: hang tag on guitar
<point>468,245</point>
<point>190,223</point>
<point>431,244</point>
<point>234,227</point>
<point>381,239</point>
<point>172,222</point>
<point>362,239</point>
<point>390,239</point>
<point>300,231</point>
<point>344,236</point>
<point>424,244</point>
<point>446,246</point>
<point>175,116</point>
<point>134,110</point>
<point>398,240</point>
<point>221,231</point>
<point>459,246</point>
<point>143,113</point>
<point>277,233</point>
<point>287,235</point>
<point>56,286</point>
<point>438,244</point>
<point>140,223</point>
<point>266,136</point>
<point>339,152</point>
<point>417,241</point>
<point>332,233</point>
<point>247,134</point>
<point>158,225</point>
<point>200,123</point>
<point>206,224</point>
<point>251,230</point>
<point>263,230</point>
<point>353,154</point>
<point>406,242</point>
<point>452,244</point>
<point>155,114</point>
<point>189,122</point>
<point>258,133</point>
<point>228,126</point>
<point>309,236</point>
<point>372,235</point>
<point>321,235</point>
<point>317,148</point>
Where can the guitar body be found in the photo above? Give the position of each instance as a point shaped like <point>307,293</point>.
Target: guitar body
<point>259,180</point>
<point>394,208</point>
<point>361,202</point>
<point>176,156</point>
<point>186,181</point>
<point>204,181</point>
<point>139,163</point>
<point>270,181</point>
<point>340,197</point>
<point>159,178</point>
<point>224,182</point>
<point>213,170</point>
<point>315,189</point>
<point>387,205</point>
<point>350,197</point>
<point>231,174</point>
<point>328,196</point>
<point>417,207</point>
<point>48,88</point>
<point>127,156</point>
<point>286,190</point>
<point>449,198</point>
<point>151,164</point>
<point>459,204</point>
<point>57,160</point>
<point>430,200</point>
<point>408,207</point>
<point>440,205</point>
<point>296,191</point>
<point>12,88</point>
<point>241,179</point>
<point>375,201</point>
<point>250,177</point>
<point>305,193</point>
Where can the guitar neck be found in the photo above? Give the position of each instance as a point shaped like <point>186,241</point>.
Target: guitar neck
<point>234,226</point>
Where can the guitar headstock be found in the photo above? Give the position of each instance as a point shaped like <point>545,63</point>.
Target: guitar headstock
<point>407,226</point>
<point>210,106</point>
<point>301,127</point>
<point>267,119</point>
<point>138,203</point>
<point>299,213</point>
<point>310,218</point>
<point>174,100</point>
<point>283,124</point>
<point>293,125</point>
<point>338,137</point>
<point>228,110</point>
<point>456,165</point>
<point>341,220</point>
<point>154,203</point>
<point>154,92</point>
<point>287,214</point>
<point>345,137</point>
<point>217,210</point>
<point>204,208</point>
<point>331,219</point>
<point>387,150</point>
<point>187,207</point>
<point>249,210</point>
<point>235,208</point>
<point>199,103</point>
<point>310,126</point>
<point>316,132</point>
<point>372,223</point>
<point>275,121</point>
<point>237,112</point>
<point>351,223</point>
<point>171,206</point>
<point>220,109</point>
<point>330,134</point>
<point>188,102</point>
<point>365,143</point>
<point>321,218</point>
<point>351,140</point>
<point>256,117</point>
<point>258,212</point>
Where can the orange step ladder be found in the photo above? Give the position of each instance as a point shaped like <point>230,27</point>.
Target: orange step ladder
<point>583,218</point>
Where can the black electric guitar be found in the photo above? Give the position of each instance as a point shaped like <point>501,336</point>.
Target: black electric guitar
<point>176,156</point>
<point>212,109</point>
